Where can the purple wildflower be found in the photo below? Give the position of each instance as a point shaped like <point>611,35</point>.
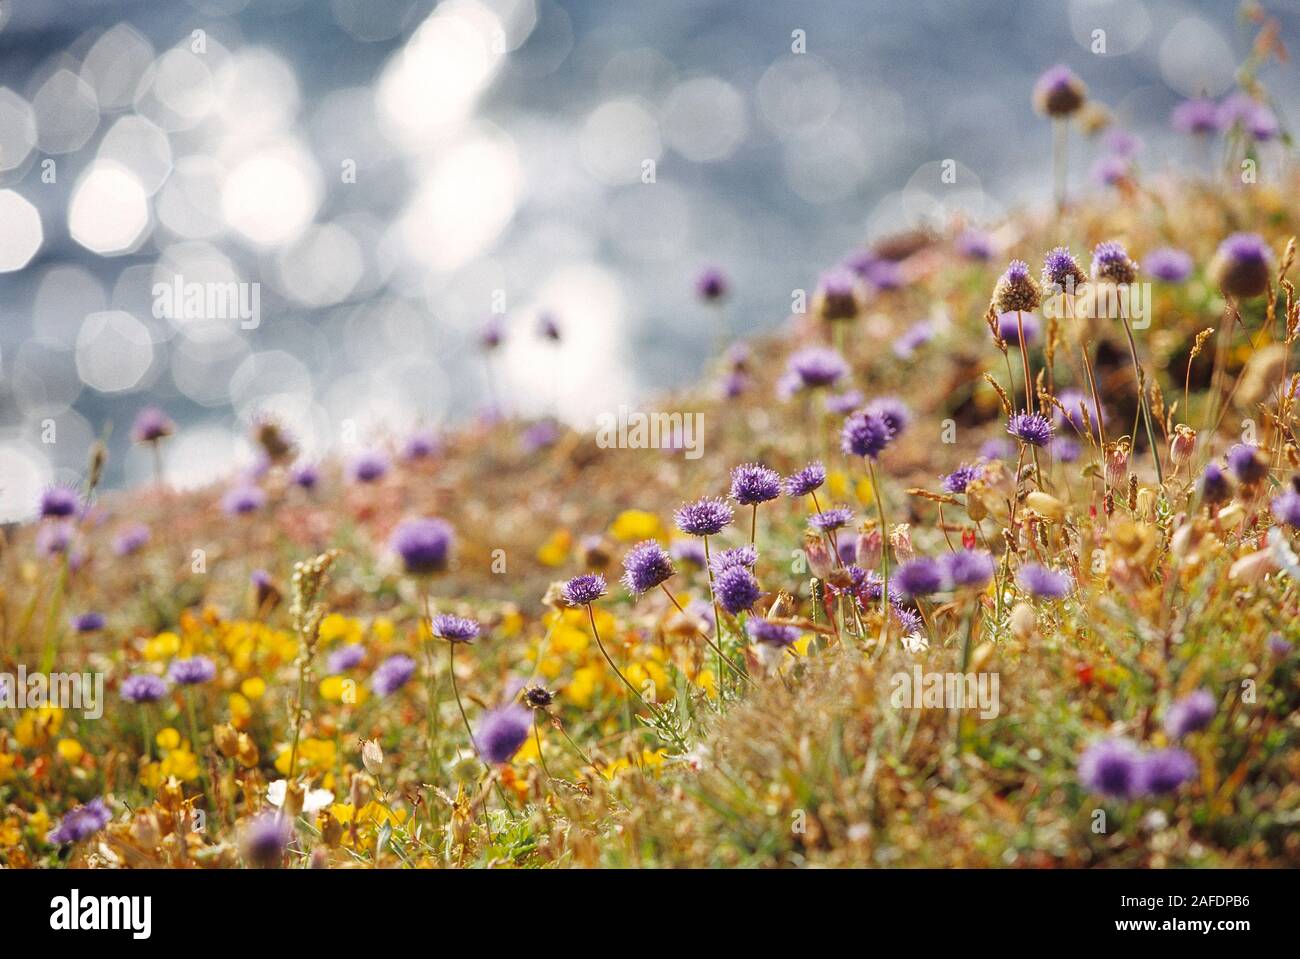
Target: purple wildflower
<point>831,519</point>
<point>920,577</point>
<point>1164,770</point>
<point>1191,713</point>
<point>151,424</point>
<point>131,540</point>
<point>975,245</point>
<point>913,338</point>
<point>1075,405</point>
<point>345,657</point>
<point>585,589</point>
<point>1017,290</point>
<point>369,466</point>
<point>962,477</point>
<point>420,446</point>
<point>1198,116</point>
<point>502,731</point>
<point>1061,271</point>
<point>968,568</point>
<point>1058,92</point>
<point>771,634</point>
<point>58,502</point>
<point>242,500</point>
<point>306,475</point>
<point>88,622</point>
<point>265,838</point>
<point>424,545</point>
<point>704,517</point>
<point>143,688</point>
<point>1286,508</point>
<point>1113,768</point>
<point>493,333</point>
<point>688,551</point>
<point>817,366</point>
<point>1044,583</point>
<point>392,674</point>
<point>1247,463</point>
<point>745,555</point>
<point>997,448</point>
<point>455,629</point>
<point>806,481</point>
<point>55,538</point>
<point>192,671</point>
<point>736,589</point>
<point>1110,170</point>
<point>645,566</point>
<point>754,483</point>
<point>81,823</point>
<point>712,284</point>
<point>1215,487</point>
<point>893,411</point>
<point>865,434</point>
<point>1242,265</point>
<point>1009,328</point>
<point>839,295</point>
<point>1110,261</point>
<point>845,403</point>
<point>1168,264</point>
<point>1031,428</point>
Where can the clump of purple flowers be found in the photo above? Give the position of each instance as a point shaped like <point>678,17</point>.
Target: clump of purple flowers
<point>81,823</point>
<point>806,481</point>
<point>306,475</point>
<point>454,629</point>
<point>1010,324</point>
<point>746,556</point>
<point>265,839</point>
<point>645,566</point>
<point>712,284</point>
<point>1112,767</point>
<point>753,483</point>
<point>242,500</point>
<point>369,466</point>
<point>1242,266</point>
<point>736,589</point>
<point>704,517</point>
<point>88,622</point>
<point>1033,429</point>
<point>423,544</point>
<point>1061,271</point>
<point>893,411</point>
<point>962,477</point>
<point>1286,508</point>
<point>345,658</point>
<point>143,688</point>
<point>865,434</point>
<point>1191,713</point>
<point>1110,261</point>
<point>131,540</point>
<point>771,634</point>
<point>921,576</point>
<point>816,366</point>
<point>151,424</point>
<point>1044,583</point>
<point>1017,290</point>
<point>967,568</point>
<point>392,674</point>
<point>192,671</point>
<point>1247,464</point>
<point>502,731</point>
<point>58,502</point>
<point>585,589</point>
<point>1168,264</point>
<point>831,519</point>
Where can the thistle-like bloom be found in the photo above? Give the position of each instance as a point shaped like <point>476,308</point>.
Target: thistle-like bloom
<point>1044,583</point>
<point>831,519</point>
<point>58,502</point>
<point>1286,508</point>
<point>143,688</point>
<point>423,544</point>
<point>1242,266</point>
<point>151,424</point>
<point>306,475</point>
<point>192,671</point>
<point>265,838</point>
<point>1247,463</point>
<point>131,540</point>
<point>455,629</point>
<point>1061,271</point>
<point>1215,487</point>
<point>1031,428</point>
<point>369,466</point>
<point>839,295</point>
<point>736,589</point>
<point>842,404</point>
<point>712,285</point>
<point>1077,406</point>
<point>754,483</point>
<point>975,245</point>
<point>1112,767</point>
<point>392,674</point>
<point>746,556</point>
<point>961,477</point>
<point>585,589</point>
<point>88,622</point>
<point>968,568</point>
<point>1059,92</point>
<point>1168,264</point>
<point>345,658</point>
<point>81,823</point>
<point>704,517</point>
<point>865,434</point>
<point>242,500</point>
<point>1191,713</point>
<point>1164,770</point>
<point>538,697</point>
<point>1009,325</point>
<point>893,411</point>
<point>1110,261</point>
<point>771,634</point>
<point>420,446</point>
<point>816,366</point>
<point>502,731</point>
<point>1242,111</point>
<point>920,577</point>
<point>1017,290</point>
<point>806,481</point>
<point>645,566</point>
<point>1198,117</point>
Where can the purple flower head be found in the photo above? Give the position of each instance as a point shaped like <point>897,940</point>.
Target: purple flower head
<point>143,688</point>
<point>736,589</point>
<point>1043,583</point>
<point>81,823</point>
<point>734,384</point>
<point>1076,405</point>
<point>1113,768</point>
<point>688,551</point>
<point>962,477</point>
<point>1110,261</point>
<point>645,566</point>
<point>455,629</point>
<point>548,326</point>
<point>1247,463</point>
<point>306,475</point>
<point>975,245</point>
<point>1031,428</point>
<point>913,338</point>
<point>712,284</point>
<point>893,411</point>
<point>920,577</point>
<point>1017,290</point>
<point>746,556</point>
<point>1191,713</point>
<point>493,333</point>
<point>817,366</point>
<point>1168,264</point>
<point>754,483</point>
<point>1058,92</point>
<point>392,674</point>
<point>539,436</point>
<point>53,539</point>
<point>345,658</point>
<point>369,466</point>
<point>997,448</point>
<point>1065,449</point>
<point>909,619</point>
<point>242,500</point>
<point>420,446</point>
<point>704,517</point>
<point>1122,143</point>
<point>192,671</point>
<point>848,551</point>
<point>1198,116</point>
<point>1061,271</point>
<point>585,589</point>
<point>1286,508</point>
<point>1243,265</point>
<point>424,544</point>
<point>1009,327</point>
<point>771,634</point>
<point>865,434</point>
<point>58,502</point>
<point>131,540</point>
<point>968,568</point>
<point>1278,647</point>
<point>1215,487</point>
<point>88,622</point>
<point>839,295</point>
<point>502,731</point>
<point>807,480</point>
<point>265,839</point>
<point>151,424</point>
<point>1164,770</point>
<point>831,519</point>
<point>1110,170</point>
<point>1243,111</point>
<point>842,404</point>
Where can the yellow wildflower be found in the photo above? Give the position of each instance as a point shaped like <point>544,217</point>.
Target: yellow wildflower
<point>70,750</point>
<point>633,525</point>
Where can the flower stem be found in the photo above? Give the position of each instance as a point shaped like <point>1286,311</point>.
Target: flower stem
<point>884,554</point>
<point>659,717</point>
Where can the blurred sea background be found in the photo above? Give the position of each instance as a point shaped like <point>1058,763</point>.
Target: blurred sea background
<point>499,151</point>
